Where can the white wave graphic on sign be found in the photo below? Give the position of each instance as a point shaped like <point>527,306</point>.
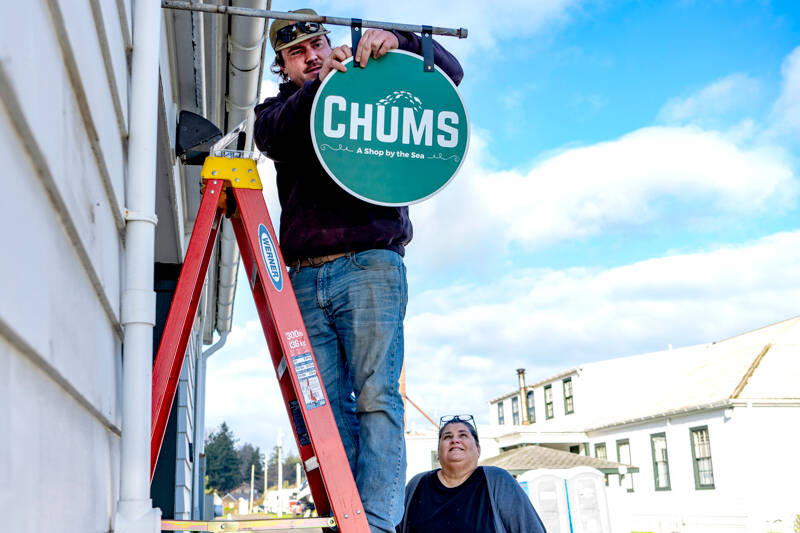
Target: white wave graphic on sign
<point>401,97</point>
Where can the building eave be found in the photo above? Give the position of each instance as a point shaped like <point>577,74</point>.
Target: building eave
<point>712,406</point>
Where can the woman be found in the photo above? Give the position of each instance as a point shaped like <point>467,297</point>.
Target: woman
<point>462,497</point>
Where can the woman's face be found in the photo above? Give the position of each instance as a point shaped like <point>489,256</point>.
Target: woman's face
<point>457,447</point>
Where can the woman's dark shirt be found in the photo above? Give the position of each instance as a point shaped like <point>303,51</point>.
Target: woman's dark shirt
<point>438,509</point>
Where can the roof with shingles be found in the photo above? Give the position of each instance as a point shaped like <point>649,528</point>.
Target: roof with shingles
<point>536,457</point>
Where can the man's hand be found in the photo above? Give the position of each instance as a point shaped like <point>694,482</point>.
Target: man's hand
<point>334,61</point>
<point>375,43</point>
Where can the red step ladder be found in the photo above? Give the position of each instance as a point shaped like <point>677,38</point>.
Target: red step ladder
<point>233,188</point>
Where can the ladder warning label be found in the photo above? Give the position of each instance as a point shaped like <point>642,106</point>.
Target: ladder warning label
<point>309,380</point>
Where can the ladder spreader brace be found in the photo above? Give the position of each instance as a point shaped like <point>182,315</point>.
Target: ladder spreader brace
<point>233,188</point>
<point>224,526</point>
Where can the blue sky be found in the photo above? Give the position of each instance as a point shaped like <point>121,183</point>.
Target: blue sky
<point>632,182</point>
<point>609,67</point>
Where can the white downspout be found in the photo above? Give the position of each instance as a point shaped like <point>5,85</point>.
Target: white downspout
<point>135,512</point>
<point>198,486</point>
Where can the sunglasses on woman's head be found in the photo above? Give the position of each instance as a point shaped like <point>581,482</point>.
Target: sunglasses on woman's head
<point>466,419</point>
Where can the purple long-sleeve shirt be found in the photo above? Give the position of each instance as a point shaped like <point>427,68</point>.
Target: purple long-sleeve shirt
<point>318,217</point>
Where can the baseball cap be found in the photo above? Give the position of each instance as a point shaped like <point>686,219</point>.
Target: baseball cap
<point>299,31</point>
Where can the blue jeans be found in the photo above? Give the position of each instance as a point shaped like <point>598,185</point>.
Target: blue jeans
<point>353,309</point>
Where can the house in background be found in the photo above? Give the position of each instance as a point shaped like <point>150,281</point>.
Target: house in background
<point>708,428</point>
<point>99,211</point>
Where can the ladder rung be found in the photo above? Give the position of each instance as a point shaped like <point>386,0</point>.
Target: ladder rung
<point>224,526</point>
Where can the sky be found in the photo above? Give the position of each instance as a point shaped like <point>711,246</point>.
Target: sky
<point>632,182</point>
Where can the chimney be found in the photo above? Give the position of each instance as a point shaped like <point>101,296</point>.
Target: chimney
<point>522,405</point>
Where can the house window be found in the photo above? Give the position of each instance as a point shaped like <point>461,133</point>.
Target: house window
<point>658,443</point>
<point>576,449</point>
<point>530,406</point>
<point>501,416</point>
<point>600,450</point>
<point>624,457</point>
<point>600,453</point>
<point>515,411</point>
<point>568,407</point>
<point>701,456</point>
<point>548,401</point>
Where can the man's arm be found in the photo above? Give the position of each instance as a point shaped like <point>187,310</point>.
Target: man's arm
<point>280,126</point>
<point>411,42</point>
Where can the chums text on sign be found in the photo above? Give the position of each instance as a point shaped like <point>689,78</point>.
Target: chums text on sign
<point>358,124</point>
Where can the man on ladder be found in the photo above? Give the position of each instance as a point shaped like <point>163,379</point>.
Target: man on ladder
<point>346,261</point>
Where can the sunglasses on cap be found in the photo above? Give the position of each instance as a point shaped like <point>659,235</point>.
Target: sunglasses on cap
<point>466,419</point>
<point>289,33</point>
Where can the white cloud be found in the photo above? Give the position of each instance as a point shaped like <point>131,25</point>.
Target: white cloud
<point>463,343</point>
<point>732,104</point>
<point>732,93</point>
<point>786,111</point>
<point>608,186</point>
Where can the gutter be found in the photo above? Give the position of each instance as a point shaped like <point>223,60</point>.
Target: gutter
<point>247,41</point>
<point>665,414</point>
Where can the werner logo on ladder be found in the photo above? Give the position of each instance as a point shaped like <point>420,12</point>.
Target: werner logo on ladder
<point>268,252</point>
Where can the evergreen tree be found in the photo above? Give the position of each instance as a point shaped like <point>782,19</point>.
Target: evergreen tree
<point>222,461</point>
<point>248,456</point>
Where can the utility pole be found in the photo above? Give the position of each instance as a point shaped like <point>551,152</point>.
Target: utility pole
<point>280,474</point>
<point>266,477</point>
<point>252,476</point>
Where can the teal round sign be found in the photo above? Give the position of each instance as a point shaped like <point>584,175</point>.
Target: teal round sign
<point>390,133</point>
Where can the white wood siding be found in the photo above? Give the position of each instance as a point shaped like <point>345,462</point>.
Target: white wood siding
<point>64,90</point>
<point>63,105</point>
